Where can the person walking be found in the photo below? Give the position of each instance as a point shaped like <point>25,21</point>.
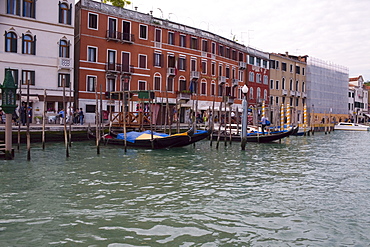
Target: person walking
<point>61,116</point>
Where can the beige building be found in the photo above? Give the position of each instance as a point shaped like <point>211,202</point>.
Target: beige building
<point>287,88</point>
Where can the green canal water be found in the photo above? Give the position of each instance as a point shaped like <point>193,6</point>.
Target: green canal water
<point>304,191</point>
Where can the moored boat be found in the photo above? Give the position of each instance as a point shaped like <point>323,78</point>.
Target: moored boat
<point>257,136</point>
<point>155,140</point>
<point>351,126</point>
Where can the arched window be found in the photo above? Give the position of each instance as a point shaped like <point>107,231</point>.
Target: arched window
<point>157,82</point>
<point>10,42</point>
<point>251,96</point>
<point>65,13</point>
<point>64,48</point>
<point>258,93</point>
<point>28,44</point>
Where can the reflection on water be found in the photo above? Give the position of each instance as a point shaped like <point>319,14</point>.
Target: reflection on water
<point>310,191</point>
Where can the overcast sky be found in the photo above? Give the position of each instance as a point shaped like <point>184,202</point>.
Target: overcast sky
<point>336,31</point>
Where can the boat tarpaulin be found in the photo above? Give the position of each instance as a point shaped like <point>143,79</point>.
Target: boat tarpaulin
<point>132,136</point>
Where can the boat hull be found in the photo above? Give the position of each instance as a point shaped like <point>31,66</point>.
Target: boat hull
<point>257,138</point>
<point>351,126</point>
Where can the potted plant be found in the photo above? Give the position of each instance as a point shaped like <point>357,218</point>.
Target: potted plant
<point>38,119</point>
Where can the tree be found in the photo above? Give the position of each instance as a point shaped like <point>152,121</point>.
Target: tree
<point>118,3</point>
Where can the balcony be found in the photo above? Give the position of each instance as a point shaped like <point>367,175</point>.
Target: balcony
<point>304,95</point>
<point>157,44</point>
<point>120,37</point>
<point>171,71</point>
<point>298,94</point>
<point>221,79</point>
<point>65,63</point>
<point>235,82</point>
<point>194,75</point>
<point>127,69</point>
<point>292,93</point>
<point>230,100</point>
<point>115,68</point>
<point>183,96</point>
<point>242,65</point>
<point>284,92</point>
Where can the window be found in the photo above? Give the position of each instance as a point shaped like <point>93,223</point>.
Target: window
<point>205,45</point>
<point>93,21</point>
<point>234,55</point>
<point>213,89</point>
<point>277,100</point>
<point>182,63</point>
<point>158,59</point>
<point>291,68</point>
<point>203,88</point>
<point>271,84</point>
<point>111,60</point>
<point>220,50</point>
<point>264,64</point>
<point>10,42</point>
<point>291,84</point>
<point>64,80</point>
<point>126,62</point>
<point>142,85</point>
<point>193,64</point>
<point>272,64</point>
<point>241,75</point>
<point>158,35</point>
<point>258,93</point>
<point>126,31</point>
<point>28,44</point>
<point>220,70</point>
<point>204,67</point>
<point>13,7</point>
<point>251,60</point>
<point>28,77</point>
<point>91,81</point>
<point>297,85</point>
<point>112,28</point>
<point>170,84</point>
<point>277,85</point>
<point>265,79</point>
<point>90,108</point>
<point>64,48</point>
<point>283,84</point>
<point>251,93</point>
<point>227,72</point>
<point>157,83</point>
<point>251,76</point>
<point>283,66</point>
<point>258,61</point>
<point>91,54</point>
<point>111,84</point>
<point>213,68</point>
<point>29,8</point>
<point>142,61</point>
<point>65,13</point>
<point>194,43</point>
<point>213,48</point>
<point>183,40</point>
<point>143,32</point>
<point>303,87</point>
<point>171,38</point>
<point>258,78</point>
<point>297,70</point>
<point>171,61</point>
<point>303,71</point>
<point>183,86</point>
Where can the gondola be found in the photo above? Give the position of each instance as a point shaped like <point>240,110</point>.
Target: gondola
<point>257,137</point>
<point>156,140</point>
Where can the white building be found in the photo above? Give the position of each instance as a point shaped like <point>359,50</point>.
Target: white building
<point>357,99</point>
<point>38,37</point>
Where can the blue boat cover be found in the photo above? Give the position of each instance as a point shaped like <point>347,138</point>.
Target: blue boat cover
<point>133,135</point>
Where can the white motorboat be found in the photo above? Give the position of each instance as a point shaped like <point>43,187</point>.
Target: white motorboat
<point>351,126</point>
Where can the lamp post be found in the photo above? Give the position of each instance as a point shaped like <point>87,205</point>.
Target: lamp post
<point>8,92</point>
<point>245,117</point>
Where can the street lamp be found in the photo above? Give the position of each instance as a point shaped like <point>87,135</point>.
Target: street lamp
<point>245,117</point>
<point>8,92</point>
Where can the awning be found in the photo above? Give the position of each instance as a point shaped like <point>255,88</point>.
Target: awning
<point>31,99</point>
<point>367,115</point>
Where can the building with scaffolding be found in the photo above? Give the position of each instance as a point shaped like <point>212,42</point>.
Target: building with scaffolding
<point>327,90</point>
